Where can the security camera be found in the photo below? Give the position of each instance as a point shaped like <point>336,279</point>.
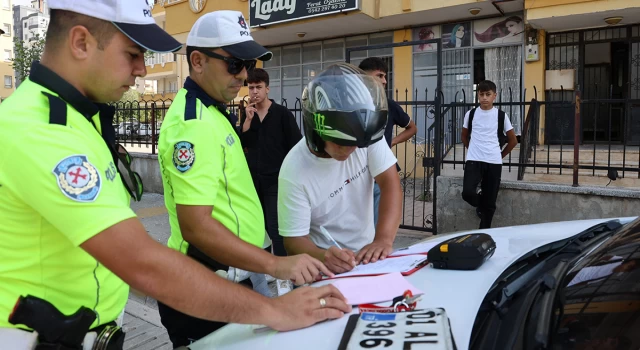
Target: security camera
<point>301,34</point>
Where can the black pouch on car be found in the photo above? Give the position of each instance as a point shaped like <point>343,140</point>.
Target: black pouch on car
<point>466,252</point>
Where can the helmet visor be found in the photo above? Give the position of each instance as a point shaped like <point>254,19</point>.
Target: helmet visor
<point>345,93</point>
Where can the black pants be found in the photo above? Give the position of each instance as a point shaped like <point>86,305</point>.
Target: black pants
<point>268,194</point>
<point>182,328</point>
<point>490,175</point>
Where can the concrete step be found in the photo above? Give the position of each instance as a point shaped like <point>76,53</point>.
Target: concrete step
<point>601,157</point>
<point>586,162</point>
<point>581,172</point>
<point>631,182</point>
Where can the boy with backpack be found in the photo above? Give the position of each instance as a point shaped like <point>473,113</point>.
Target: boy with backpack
<point>483,169</point>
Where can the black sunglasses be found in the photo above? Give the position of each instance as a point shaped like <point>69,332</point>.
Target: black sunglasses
<point>132,181</point>
<point>234,65</point>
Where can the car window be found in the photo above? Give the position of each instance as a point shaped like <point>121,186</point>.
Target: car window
<point>602,297</point>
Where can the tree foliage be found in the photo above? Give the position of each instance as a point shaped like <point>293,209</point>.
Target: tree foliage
<point>129,108</point>
<point>25,52</point>
<point>132,95</point>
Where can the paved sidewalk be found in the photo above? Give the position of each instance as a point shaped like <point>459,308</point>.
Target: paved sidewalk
<point>142,324</point>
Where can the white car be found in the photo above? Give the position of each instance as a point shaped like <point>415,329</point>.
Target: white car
<point>126,130</point>
<point>563,285</point>
<point>145,131</point>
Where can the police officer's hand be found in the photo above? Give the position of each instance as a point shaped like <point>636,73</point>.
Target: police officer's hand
<point>373,252</point>
<point>339,260</point>
<point>300,269</point>
<point>306,306</point>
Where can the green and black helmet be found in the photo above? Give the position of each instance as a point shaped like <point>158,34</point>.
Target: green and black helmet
<point>343,105</point>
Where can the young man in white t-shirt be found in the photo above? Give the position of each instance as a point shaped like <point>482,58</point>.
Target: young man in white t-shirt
<point>484,158</point>
<point>326,180</point>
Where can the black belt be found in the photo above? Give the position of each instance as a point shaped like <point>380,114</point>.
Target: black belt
<point>210,263</point>
<point>205,260</point>
<point>109,337</point>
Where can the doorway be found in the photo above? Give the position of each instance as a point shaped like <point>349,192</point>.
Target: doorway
<point>606,75</point>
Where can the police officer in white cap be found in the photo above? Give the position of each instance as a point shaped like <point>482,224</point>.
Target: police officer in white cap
<point>214,210</point>
<point>68,236</point>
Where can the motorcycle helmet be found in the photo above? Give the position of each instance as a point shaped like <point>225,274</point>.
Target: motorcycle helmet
<point>343,105</point>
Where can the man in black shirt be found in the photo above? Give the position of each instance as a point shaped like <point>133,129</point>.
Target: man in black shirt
<point>268,132</point>
<point>377,68</point>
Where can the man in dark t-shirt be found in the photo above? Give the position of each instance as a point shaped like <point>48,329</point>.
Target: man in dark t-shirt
<point>377,68</point>
<point>268,131</point>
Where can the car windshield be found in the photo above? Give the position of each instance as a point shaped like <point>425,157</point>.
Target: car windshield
<point>601,296</point>
<point>582,292</point>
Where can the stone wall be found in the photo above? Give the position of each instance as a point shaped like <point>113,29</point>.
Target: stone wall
<point>522,203</point>
<point>147,166</point>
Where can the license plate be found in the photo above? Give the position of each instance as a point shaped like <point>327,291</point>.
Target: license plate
<point>416,330</point>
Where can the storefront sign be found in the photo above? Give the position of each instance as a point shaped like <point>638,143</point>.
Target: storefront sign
<point>265,12</point>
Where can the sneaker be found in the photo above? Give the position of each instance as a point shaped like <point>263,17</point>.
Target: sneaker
<point>284,287</point>
<point>237,275</point>
<point>260,284</point>
<point>269,278</point>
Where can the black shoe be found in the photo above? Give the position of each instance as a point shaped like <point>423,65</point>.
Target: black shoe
<point>479,213</point>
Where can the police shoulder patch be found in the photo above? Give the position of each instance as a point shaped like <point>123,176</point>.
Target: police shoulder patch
<point>78,179</point>
<point>184,155</point>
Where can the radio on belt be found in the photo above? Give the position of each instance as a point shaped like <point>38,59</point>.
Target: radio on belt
<point>466,252</point>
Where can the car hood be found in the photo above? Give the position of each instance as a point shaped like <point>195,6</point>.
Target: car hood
<point>460,293</point>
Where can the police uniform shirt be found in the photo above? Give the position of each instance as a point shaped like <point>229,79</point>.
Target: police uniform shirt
<point>59,187</point>
<point>202,163</point>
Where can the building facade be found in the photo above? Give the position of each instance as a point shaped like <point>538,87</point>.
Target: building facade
<point>34,25</point>
<point>164,70</point>
<point>6,46</point>
<point>598,44</point>
<point>524,46</point>
<point>30,22</point>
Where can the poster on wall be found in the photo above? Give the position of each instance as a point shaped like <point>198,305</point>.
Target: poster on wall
<point>504,30</point>
<point>425,33</point>
<point>456,35</point>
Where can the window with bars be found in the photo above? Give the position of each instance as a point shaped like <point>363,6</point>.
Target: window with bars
<point>8,81</point>
<point>605,34</point>
<point>563,38</point>
<point>563,58</point>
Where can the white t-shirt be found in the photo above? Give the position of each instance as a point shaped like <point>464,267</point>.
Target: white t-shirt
<point>338,195</point>
<point>484,145</point>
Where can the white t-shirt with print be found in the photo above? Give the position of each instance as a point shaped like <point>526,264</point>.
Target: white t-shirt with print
<point>484,145</point>
<point>338,195</point>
